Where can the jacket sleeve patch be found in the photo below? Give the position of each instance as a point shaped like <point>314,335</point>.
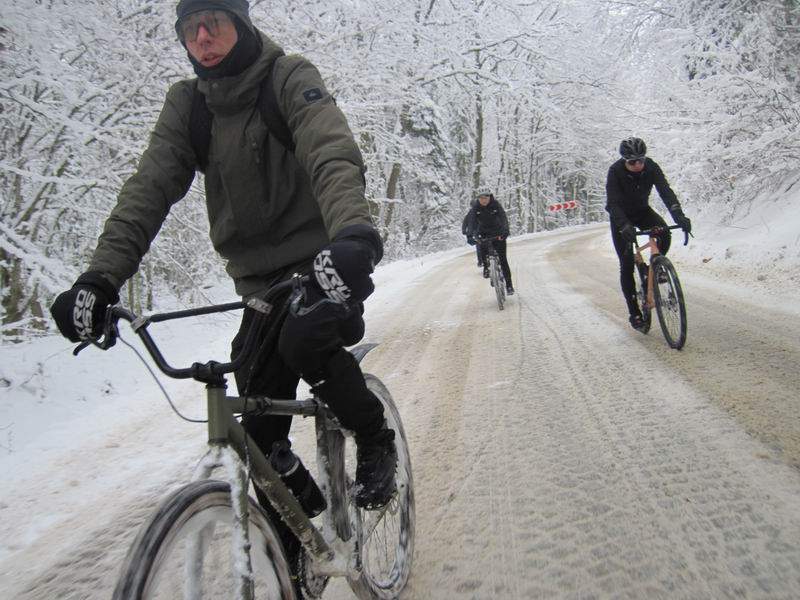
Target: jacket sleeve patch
<point>312,95</point>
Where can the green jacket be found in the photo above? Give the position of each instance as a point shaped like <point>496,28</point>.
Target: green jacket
<point>268,209</point>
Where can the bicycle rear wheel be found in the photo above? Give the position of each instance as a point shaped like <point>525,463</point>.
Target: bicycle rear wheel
<point>640,281</point>
<point>385,537</point>
<point>670,306</point>
<point>186,550</point>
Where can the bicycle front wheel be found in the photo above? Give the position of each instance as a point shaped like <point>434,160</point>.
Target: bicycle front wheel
<point>385,536</point>
<point>670,306</point>
<point>498,284</point>
<point>187,550</point>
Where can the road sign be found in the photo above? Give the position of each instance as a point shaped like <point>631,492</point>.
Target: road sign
<point>569,204</point>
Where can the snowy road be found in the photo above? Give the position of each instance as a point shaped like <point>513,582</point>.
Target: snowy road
<point>557,453</point>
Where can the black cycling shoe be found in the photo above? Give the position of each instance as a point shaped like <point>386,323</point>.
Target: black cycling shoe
<point>375,472</point>
<point>486,272</point>
<point>637,322</point>
<point>510,290</point>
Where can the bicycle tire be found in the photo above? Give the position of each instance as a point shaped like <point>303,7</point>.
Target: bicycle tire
<point>386,552</point>
<point>641,297</point>
<point>498,284</point>
<point>670,304</point>
<point>197,518</point>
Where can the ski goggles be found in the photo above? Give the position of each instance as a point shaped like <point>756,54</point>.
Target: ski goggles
<point>634,161</point>
<point>211,20</point>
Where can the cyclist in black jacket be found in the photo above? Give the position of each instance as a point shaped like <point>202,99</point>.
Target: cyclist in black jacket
<point>628,186</point>
<point>487,219</point>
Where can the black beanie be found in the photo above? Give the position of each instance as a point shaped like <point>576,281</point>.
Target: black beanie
<point>243,53</point>
<point>240,8</point>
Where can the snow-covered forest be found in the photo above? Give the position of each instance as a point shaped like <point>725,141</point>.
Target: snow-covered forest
<point>529,97</point>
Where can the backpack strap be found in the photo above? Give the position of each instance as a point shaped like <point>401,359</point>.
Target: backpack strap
<point>271,110</point>
<point>201,118</point>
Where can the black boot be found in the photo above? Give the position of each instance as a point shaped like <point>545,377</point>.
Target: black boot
<point>375,473</point>
<point>636,321</point>
<point>360,411</point>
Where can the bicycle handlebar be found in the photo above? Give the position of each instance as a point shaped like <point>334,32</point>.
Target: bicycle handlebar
<point>211,370</point>
<point>654,231</point>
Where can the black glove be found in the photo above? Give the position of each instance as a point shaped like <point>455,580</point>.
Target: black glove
<point>628,233</point>
<point>79,311</point>
<point>470,240</point>
<point>342,268</point>
<point>683,222</point>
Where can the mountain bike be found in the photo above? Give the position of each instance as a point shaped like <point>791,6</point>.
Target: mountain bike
<point>496,277</point>
<point>211,539</point>
<point>658,287</point>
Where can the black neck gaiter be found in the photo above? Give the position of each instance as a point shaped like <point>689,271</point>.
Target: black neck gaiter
<point>242,55</point>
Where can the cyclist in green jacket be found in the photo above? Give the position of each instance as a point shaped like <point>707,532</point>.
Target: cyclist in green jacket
<point>272,212</point>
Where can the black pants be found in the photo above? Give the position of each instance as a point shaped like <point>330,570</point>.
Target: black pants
<point>500,248</point>
<point>311,347</point>
<point>644,220</point>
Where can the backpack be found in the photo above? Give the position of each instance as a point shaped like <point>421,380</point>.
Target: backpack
<point>200,119</point>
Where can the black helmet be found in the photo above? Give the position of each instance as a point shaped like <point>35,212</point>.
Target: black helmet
<point>632,148</point>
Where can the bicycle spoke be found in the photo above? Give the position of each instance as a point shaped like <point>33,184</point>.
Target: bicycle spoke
<point>386,535</point>
<point>669,303</point>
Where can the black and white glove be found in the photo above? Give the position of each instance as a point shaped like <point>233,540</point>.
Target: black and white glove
<point>79,311</point>
<point>342,268</point>
<point>470,240</point>
<point>628,233</point>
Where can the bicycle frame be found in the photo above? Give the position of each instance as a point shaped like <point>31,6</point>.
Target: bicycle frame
<point>226,434</point>
<point>491,252</point>
<point>652,246</point>
<point>495,270</point>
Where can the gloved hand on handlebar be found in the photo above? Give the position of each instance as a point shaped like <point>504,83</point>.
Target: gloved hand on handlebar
<point>628,233</point>
<point>470,240</point>
<point>342,268</point>
<point>79,311</point>
<point>682,221</point>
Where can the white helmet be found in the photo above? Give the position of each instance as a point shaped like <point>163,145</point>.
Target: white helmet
<point>483,191</point>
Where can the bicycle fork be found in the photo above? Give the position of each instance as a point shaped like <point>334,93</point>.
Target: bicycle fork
<point>231,448</point>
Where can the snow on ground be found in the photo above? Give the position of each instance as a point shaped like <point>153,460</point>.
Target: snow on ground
<point>50,401</point>
<point>757,247</point>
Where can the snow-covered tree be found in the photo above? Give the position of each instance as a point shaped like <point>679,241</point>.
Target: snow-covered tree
<point>528,97</point>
